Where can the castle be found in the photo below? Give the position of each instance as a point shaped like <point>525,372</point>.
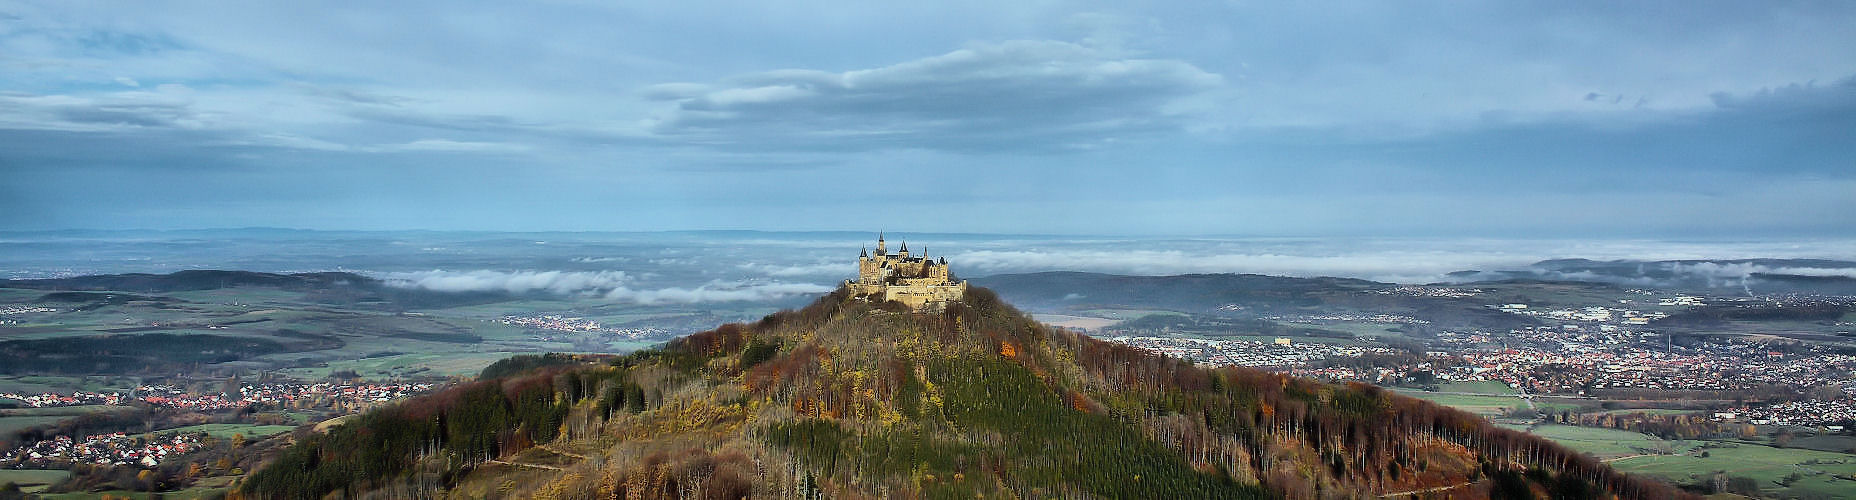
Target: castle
<point>919,282</point>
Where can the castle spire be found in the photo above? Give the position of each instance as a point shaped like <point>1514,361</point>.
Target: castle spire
<point>865,253</point>
<point>881,249</point>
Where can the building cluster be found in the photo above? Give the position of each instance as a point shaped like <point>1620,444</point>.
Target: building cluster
<point>6,311</point>
<point>79,398</point>
<point>14,310</point>
<point>571,324</point>
<point>1603,316</point>
<point>102,449</point>
<point>1585,349</point>
<point>282,394</point>
<point>1319,319</point>
<point>1280,353</point>
<point>1431,292</point>
<point>1816,412</point>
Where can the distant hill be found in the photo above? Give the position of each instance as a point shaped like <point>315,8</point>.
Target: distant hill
<point>334,288</point>
<point>844,399</point>
<point>1258,295</point>
<point>1750,276</point>
<point>195,280</point>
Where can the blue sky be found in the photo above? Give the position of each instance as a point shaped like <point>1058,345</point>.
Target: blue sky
<point>1501,119</point>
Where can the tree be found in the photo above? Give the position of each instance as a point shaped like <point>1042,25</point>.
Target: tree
<point>1743,485</point>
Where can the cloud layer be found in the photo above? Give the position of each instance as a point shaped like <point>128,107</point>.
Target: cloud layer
<point>1183,118</point>
<point>611,285</point>
<point>1011,95</point>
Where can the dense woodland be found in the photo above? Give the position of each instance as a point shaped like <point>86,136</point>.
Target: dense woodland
<point>846,399</point>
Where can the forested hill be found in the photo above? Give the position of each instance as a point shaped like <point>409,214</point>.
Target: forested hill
<point>843,399</point>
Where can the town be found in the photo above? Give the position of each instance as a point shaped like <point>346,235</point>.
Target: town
<point>572,325</point>
<point>1594,352</point>
<point>115,448</point>
<point>281,395</point>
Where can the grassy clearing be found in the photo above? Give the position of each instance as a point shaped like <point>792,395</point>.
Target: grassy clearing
<point>16,419</point>
<point>186,494</point>
<point>9,425</point>
<point>1607,443</point>
<point>63,411</point>
<point>1766,464</point>
<point>229,430</point>
<point>1682,461</point>
<point>1478,387</point>
<point>439,364</point>
<point>1485,405</point>
<point>32,481</point>
<point>1358,329</point>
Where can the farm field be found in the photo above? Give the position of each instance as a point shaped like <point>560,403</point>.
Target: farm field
<point>1816,469</point>
<point>405,365</point>
<point>1681,461</point>
<point>229,430</point>
<point>32,481</point>
<point>16,419</point>
<point>1480,404</point>
<point>1478,387</point>
<point>10,424</point>
<point>186,494</point>
<point>1605,443</point>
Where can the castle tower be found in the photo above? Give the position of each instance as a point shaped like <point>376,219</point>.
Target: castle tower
<point>922,283</point>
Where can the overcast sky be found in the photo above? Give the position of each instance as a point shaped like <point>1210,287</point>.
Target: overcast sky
<point>1565,119</point>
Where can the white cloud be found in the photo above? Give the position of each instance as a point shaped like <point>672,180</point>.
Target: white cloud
<point>1398,261</point>
<point>611,285</point>
<point>716,292</point>
<point>823,268</point>
<point>558,282</point>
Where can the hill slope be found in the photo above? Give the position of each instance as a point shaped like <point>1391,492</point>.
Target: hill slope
<point>843,399</point>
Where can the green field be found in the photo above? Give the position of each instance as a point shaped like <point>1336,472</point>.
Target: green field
<point>1605,443</point>
<point>1485,405</point>
<point>32,481</point>
<point>1478,387</point>
<point>405,365</point>
<point>1682,461</point>
<point>1764,463</point>
<point>16,419</point>
<point>9,425</point>
<point>39,384</point>
<point>229,430</point>
<point>1357,328</point>
<point>186,494</point>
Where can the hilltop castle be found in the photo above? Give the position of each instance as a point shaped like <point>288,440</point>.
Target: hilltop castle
<point>920,282</point>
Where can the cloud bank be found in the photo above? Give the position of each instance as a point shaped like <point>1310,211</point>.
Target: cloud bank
<point>716,292</point>
<point>1409,261</point>
<point>1403,267</point>
<point>611,285</point>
